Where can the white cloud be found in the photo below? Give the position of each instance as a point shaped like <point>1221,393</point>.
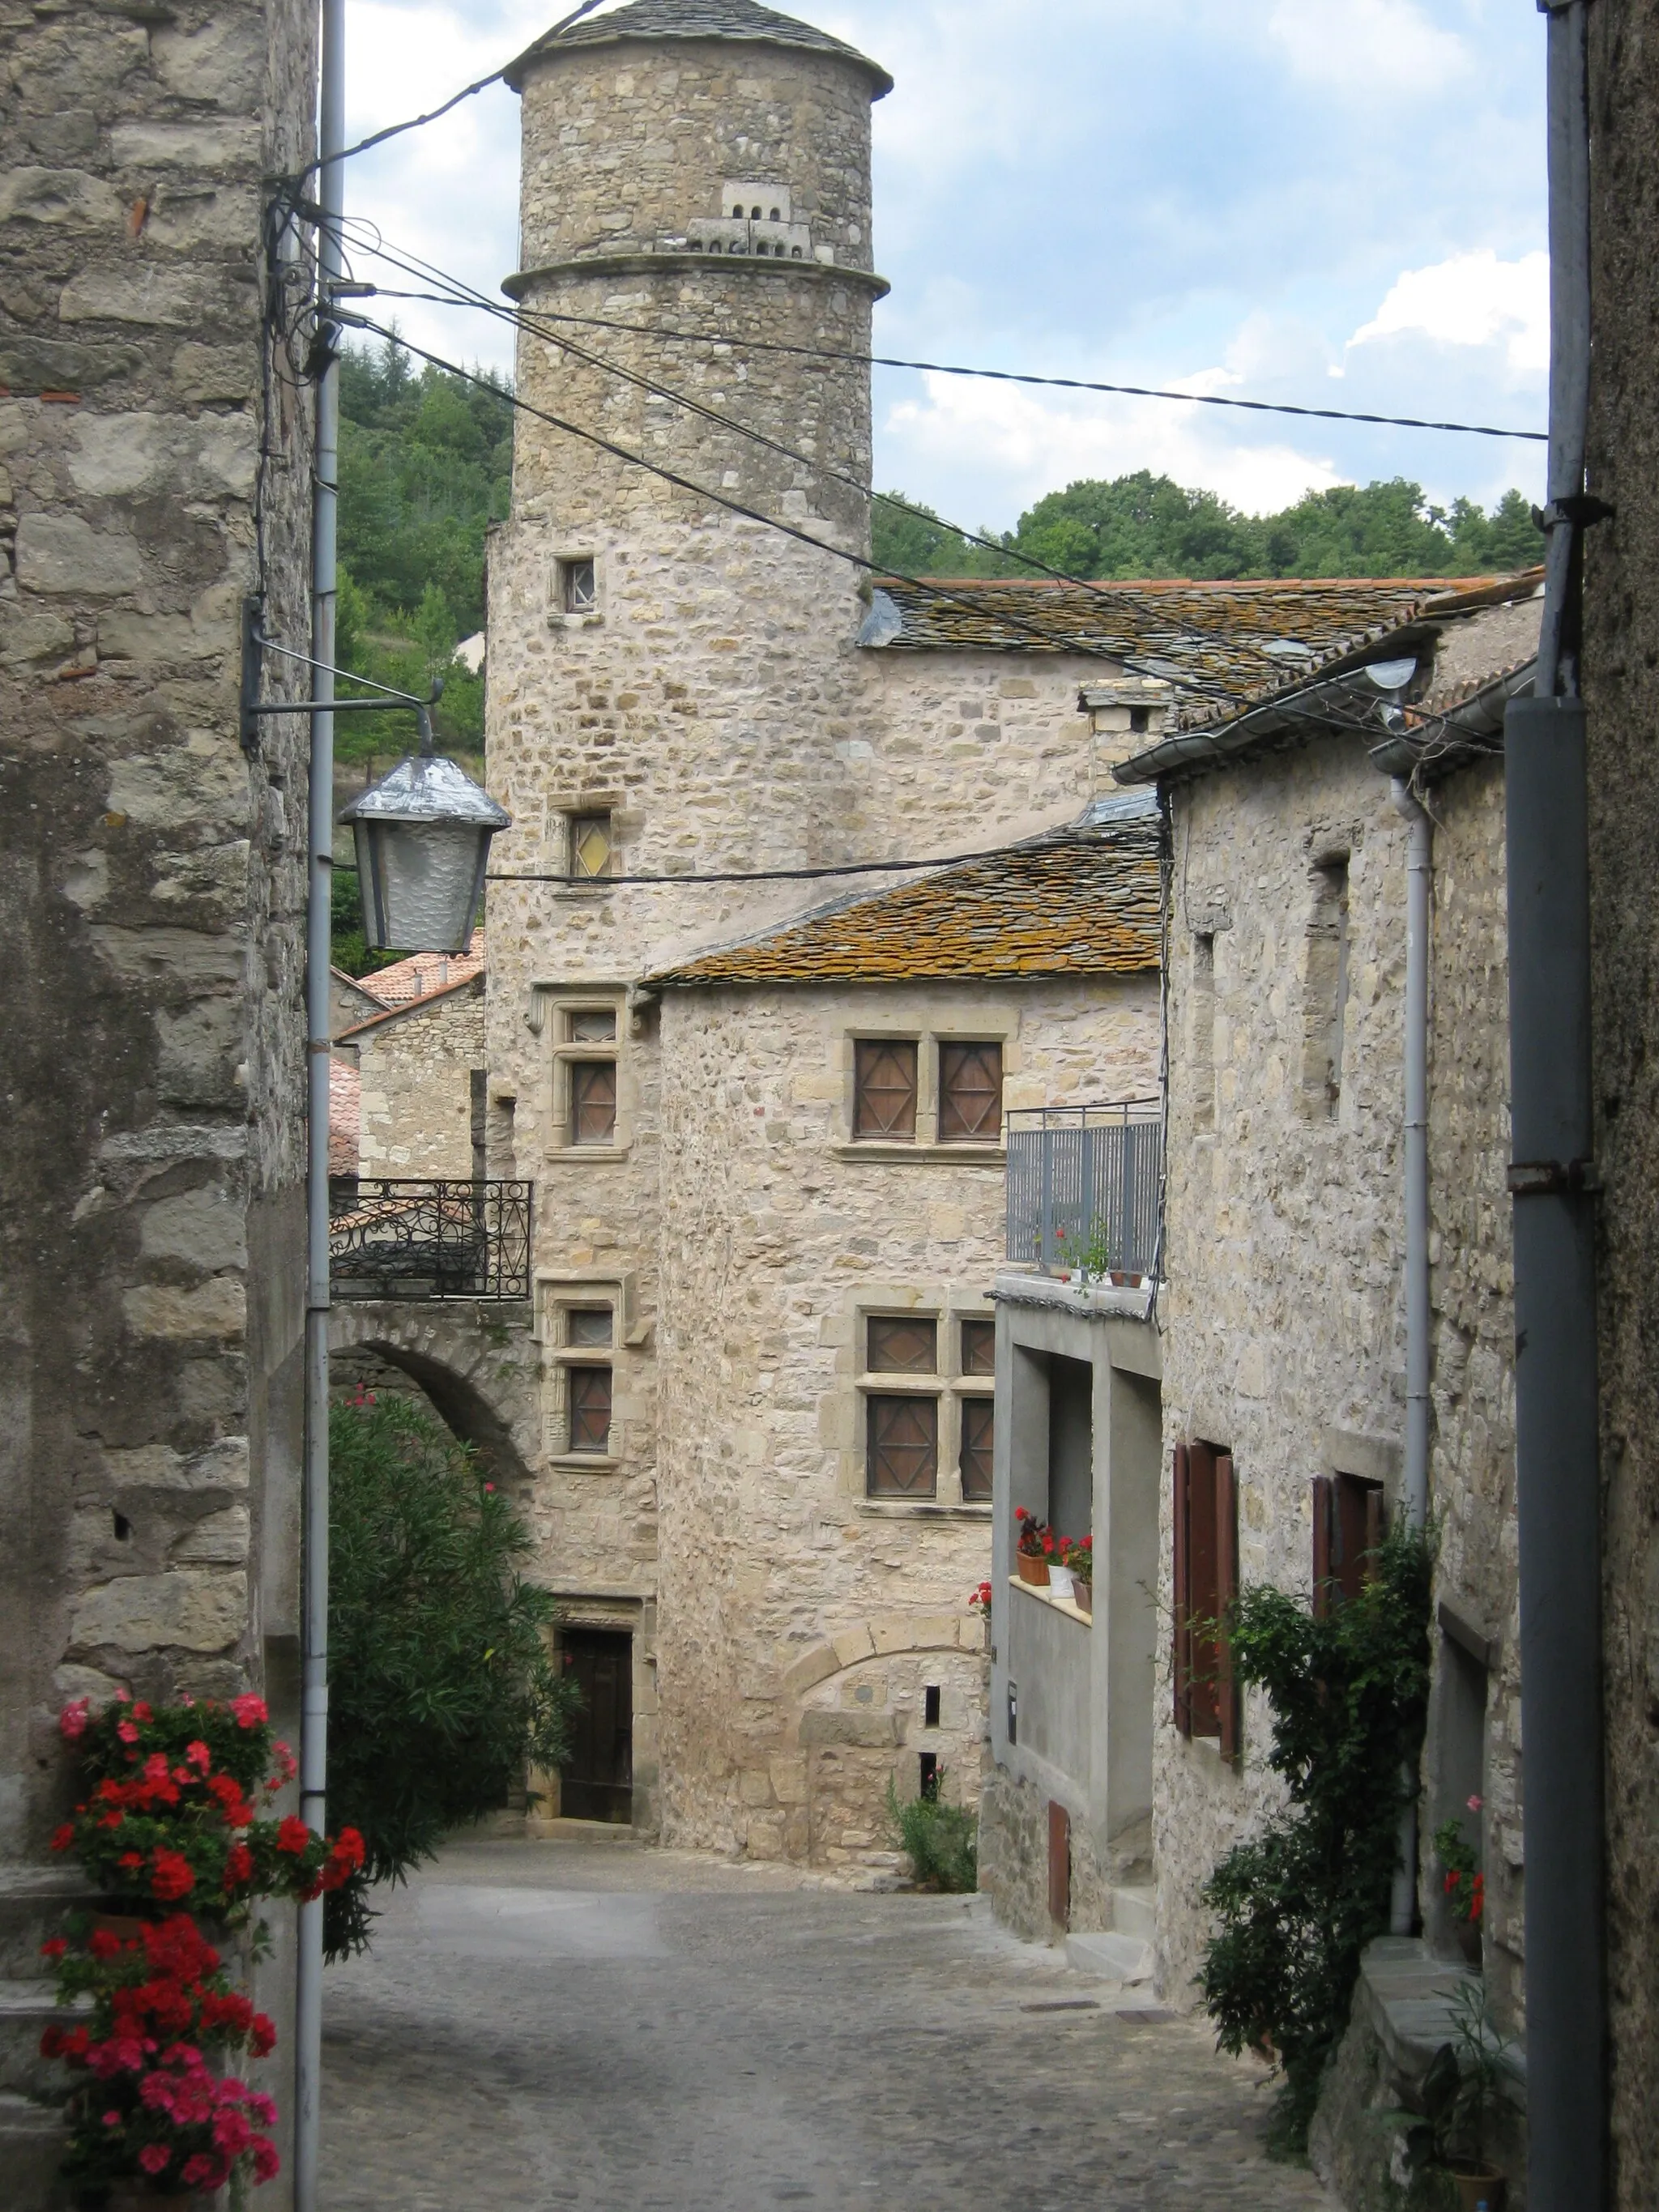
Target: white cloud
<point>1380,46</point>
<point>1473,300</point>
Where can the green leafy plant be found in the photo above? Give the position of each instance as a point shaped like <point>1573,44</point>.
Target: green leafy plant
<point>443,1687</point>
<point>941,1841</point>
<point>1464,1883</point>
<point>1079,1554</point>
<point>1460,2088</point>
<point>1297,1904</point>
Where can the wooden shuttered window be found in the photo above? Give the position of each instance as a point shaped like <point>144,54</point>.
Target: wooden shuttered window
<point>970,1093</point>
<point>979,1421</point>
<point>885,1088</point>
<point>903,1459</point>
<point>1206,1701</point>
<point>1348,1527</point>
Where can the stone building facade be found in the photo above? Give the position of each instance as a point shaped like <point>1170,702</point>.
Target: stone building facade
<point>154,470</point>
<point>1283,1345</point>
<point>1621,689</point>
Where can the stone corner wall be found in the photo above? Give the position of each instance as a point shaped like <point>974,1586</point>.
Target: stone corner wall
<point>414,1114</point>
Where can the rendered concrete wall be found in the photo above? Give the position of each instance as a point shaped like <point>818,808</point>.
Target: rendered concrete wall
<point>1286,1244</point>
<point>1621,684</point>
<point>153,894</point>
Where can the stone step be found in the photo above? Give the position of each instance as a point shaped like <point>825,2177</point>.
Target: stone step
<point>32,2139</point>
<point>33,1900</point>
<point>1110,1957</point>
<point>1134,1912</point>
<point>26,2010</point>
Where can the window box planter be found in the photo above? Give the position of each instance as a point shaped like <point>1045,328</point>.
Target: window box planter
<point>1032,1570</point>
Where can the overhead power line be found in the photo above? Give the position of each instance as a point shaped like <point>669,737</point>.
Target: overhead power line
<point>760,875</point>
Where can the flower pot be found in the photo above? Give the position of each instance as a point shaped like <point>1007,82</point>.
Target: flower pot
<point>1032,1570</point>
<point>1083,1594</point>
<point>1468,1939</point>
<point>1060,1581</point>
<point>139,2196</point>
<point>126,1927</point>
<point>1469,2190</point>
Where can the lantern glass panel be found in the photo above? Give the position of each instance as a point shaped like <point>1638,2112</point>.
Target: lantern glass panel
<point>421,883</point>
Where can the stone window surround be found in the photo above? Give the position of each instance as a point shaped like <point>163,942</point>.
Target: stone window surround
<point>555,1295</point>
<point>551,1006</point>
<point>948,1385</point>
<point>559,809</point>
<point>999,1027</point>
<point>561,558</point>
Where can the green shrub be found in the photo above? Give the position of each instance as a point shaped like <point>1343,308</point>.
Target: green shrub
<point>941,1840</point>
<point>1297,1904</point>
<point>442,1686</point>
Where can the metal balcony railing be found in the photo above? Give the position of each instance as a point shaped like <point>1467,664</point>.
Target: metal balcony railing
<point>1085,1187</point>
<point>402,1238</point>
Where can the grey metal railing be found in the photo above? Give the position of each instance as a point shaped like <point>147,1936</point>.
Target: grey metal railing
<point>404,1238</point>
<point>1085,1187</point>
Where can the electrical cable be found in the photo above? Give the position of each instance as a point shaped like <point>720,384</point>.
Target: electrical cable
<point>763,875</point>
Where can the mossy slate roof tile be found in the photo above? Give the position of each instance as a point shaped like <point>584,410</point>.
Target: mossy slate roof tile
<point>1079,901</point>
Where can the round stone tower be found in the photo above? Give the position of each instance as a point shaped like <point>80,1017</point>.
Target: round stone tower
<point>698,172</point>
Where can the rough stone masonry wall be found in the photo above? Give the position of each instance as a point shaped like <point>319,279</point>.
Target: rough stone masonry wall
<point>1285,1232</point>
<point>1621,685</point>
<point>799,1620</point>
<point>417,1097</point>
<point>151,898</point>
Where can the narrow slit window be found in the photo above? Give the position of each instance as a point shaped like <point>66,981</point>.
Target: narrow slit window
<point>902,1458</point>
<point>1203,1032</point>
<point>930,1704</point>
<point>884,1088</point>
<point>979,1427</point>
<point>592,1102</point>
<point>928,1762</point>
<point>590,1409</point>
<point>1348,1530</point>
<point>970,1093</point>
<point>899,1344</point>
<point>1327,991</point>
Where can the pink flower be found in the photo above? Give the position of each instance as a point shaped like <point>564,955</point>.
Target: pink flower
<point>126,1731</point>
<point>250,1712</point>
<point>489,1489</point>
<point>111,2120</point>
<point>1475,1804</point>
<point>154,2158</point>
<point>266,2163</point>
<point>72,1721</point>
<point>198,1755</point>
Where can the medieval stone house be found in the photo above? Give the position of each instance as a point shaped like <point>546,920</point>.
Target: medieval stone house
<point>155,469</point>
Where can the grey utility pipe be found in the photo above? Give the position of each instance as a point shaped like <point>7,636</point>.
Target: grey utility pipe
<point>320,910</point>
<point>1553,1177</point>
<point>1418,884</point>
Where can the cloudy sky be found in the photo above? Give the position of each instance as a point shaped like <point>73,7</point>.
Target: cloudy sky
<point>1339,203</point>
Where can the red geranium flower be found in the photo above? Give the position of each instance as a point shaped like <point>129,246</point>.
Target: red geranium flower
<point>63,1837</point>
<point>173,1875</point>
<point>293,1836</point>
<point>250,1712</point>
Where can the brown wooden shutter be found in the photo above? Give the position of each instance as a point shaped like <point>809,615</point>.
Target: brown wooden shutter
<point>1182,1666</point>
<point>1322,1488</point>
<point>885,1088</point>
<point>1228,1706</point>
<point>971,1092</point>
<point>1059,1865</point>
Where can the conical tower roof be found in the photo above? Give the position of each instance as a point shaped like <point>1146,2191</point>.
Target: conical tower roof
<point>743,21</point>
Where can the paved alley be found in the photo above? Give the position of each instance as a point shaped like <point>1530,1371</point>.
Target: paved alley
<point>595,2026</point>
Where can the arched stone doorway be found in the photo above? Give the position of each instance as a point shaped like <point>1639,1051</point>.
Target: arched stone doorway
<point>478,1367</point>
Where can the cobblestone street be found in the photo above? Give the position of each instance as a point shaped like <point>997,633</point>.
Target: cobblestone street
<point>593,2025</point>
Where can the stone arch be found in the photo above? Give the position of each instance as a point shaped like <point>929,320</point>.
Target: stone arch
<point>480,1366</point>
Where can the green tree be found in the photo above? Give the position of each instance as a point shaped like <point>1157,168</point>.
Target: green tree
<point>443,1688</point>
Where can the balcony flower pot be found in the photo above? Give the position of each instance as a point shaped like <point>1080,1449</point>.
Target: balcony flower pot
<point>1466,2189</point>
<point>1060,1581</point>
<point>1083,1594</point>
<point>1031,1570</point>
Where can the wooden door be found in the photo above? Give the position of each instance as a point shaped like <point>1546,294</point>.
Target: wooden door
<point>597,1779</point>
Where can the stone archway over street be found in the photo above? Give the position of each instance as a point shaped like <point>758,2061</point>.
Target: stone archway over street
<point>480,1365</point>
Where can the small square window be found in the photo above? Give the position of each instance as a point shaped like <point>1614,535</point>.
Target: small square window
<point>970,1093</point>
<point>579,590</point>
<point>590,1409</point>
<point>885,1088</point>
<point>979,1347</point>
<point>590,845</point>
<point>903,1447</point>
<point>590,1024</point>
<point>903,1346</point>
<point>592,1102</point>
<point>979,1421</point>
<point>589,1325</point>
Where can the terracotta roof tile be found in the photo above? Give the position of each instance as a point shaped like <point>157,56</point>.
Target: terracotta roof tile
<point>1216,643</point>
<point>423,973</point>
<point>1083,900</point>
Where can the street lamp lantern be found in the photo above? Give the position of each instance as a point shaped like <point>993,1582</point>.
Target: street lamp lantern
<point>422,837</point>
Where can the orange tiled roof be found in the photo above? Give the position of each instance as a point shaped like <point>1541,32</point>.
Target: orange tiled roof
<point>1216,643</point>
<point>1083,900</point>
<point>423,973</point>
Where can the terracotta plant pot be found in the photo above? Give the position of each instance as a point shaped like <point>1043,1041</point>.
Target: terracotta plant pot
<point>1032,1570</point>
<point>126,1927</point>
<point>133,2196</point>
<point>1469,2191</point>
<point>1468,1939</point>
<point>1083,1594</point>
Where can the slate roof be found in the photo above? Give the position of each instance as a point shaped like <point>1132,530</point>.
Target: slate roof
<point>1082,901</point>
<point>1218,644</point>
<point>741,21</point>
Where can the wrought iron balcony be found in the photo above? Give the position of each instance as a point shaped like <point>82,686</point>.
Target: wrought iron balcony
<point>1085,1188</point>
<point>401,1238</point>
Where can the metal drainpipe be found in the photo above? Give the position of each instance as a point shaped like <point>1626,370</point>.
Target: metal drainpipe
<point>1418,884</point>
<point>1554,1181</point>
<point>314,1731</point>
